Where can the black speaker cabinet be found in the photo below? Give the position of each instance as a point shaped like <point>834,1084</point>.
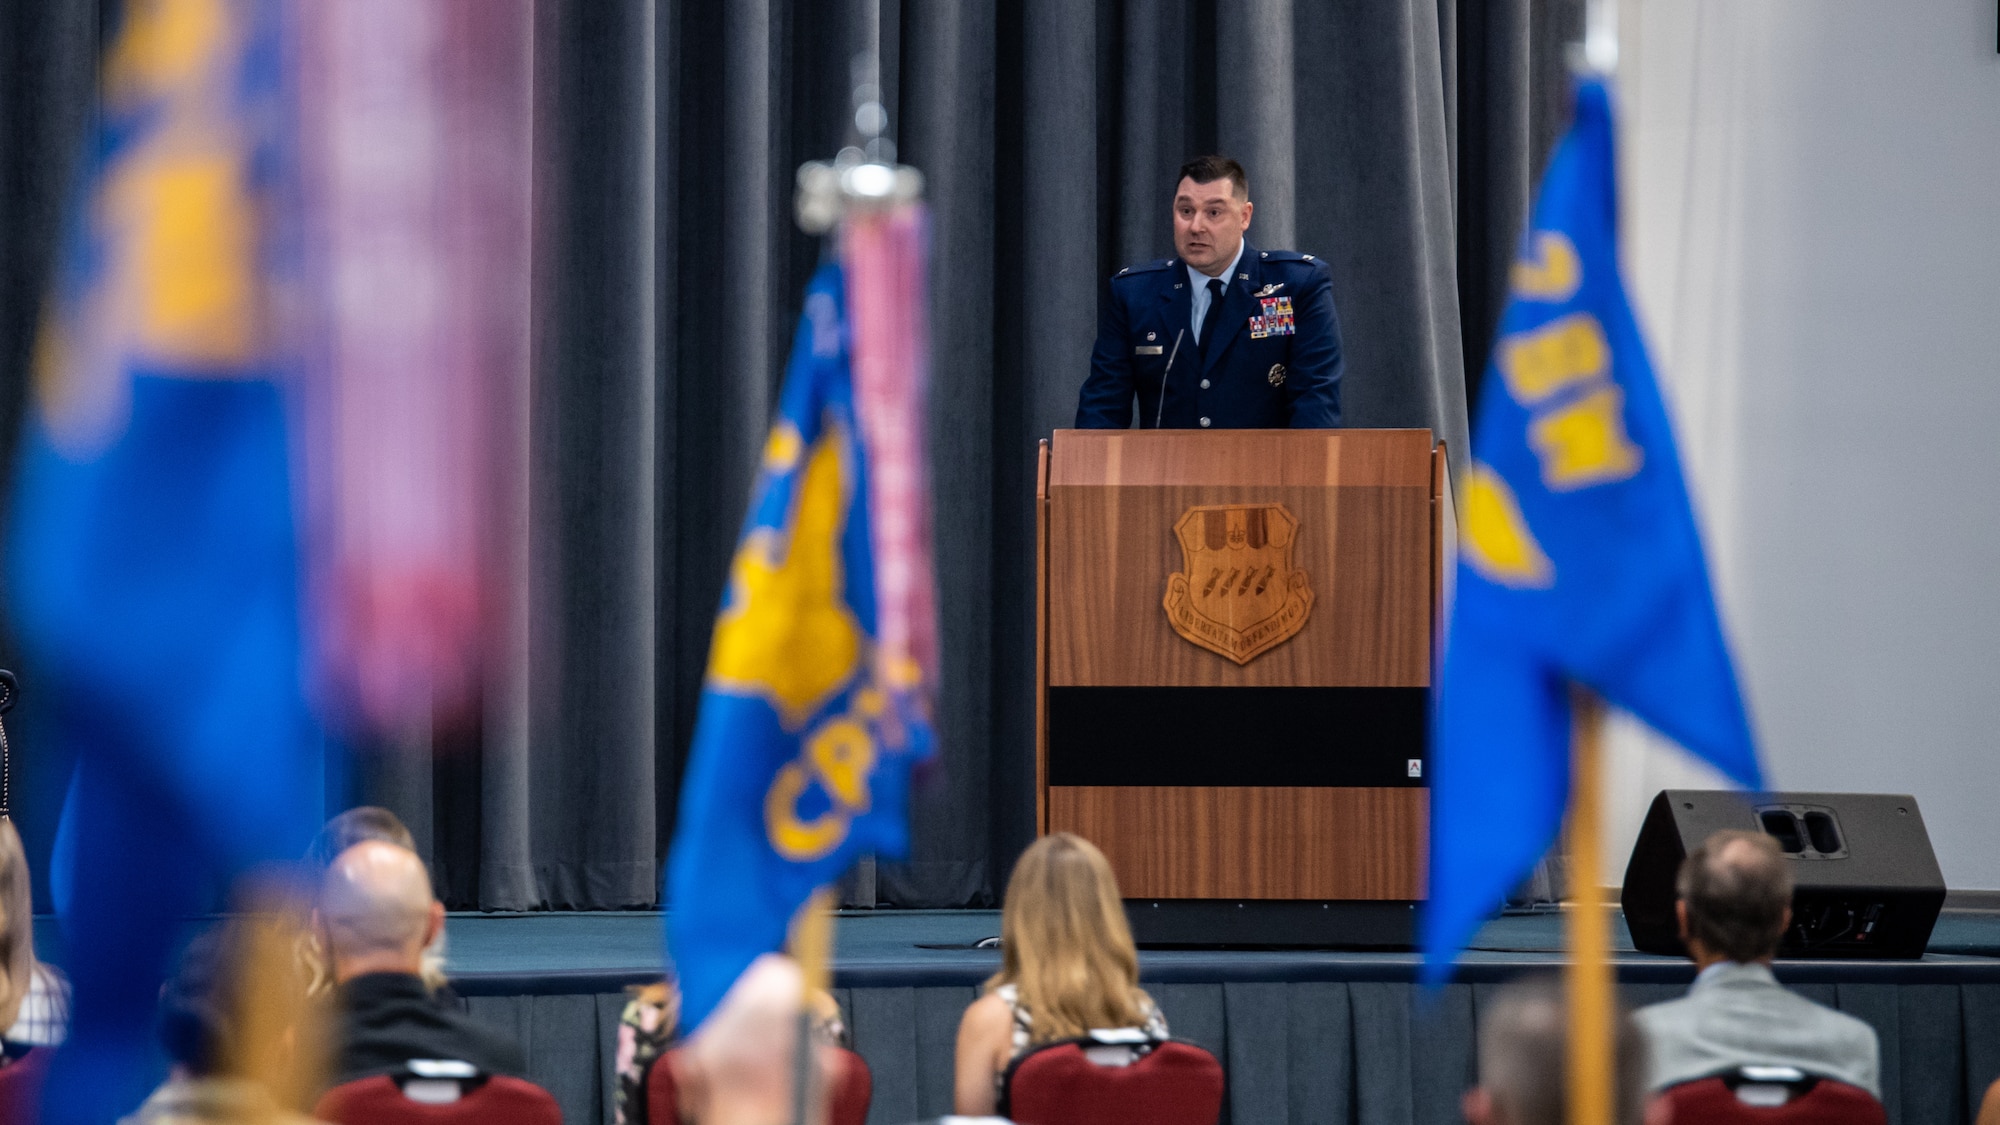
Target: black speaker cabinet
<point>1868,881</point>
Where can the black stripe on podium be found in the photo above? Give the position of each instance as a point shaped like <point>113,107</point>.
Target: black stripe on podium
<point>1237,736</point>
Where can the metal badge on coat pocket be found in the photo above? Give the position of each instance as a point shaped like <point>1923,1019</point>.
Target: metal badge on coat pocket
<point>1277,375</point>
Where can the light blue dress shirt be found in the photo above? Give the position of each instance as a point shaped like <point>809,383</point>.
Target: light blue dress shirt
<point>1200,282</point>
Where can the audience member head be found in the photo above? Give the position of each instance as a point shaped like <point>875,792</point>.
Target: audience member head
<point>1065,944</point>
<point>357,825</point>
<point>196,1005</point>
<point>1523,1062</point>
<point>17,925</point>
<point>1735,898</point>
<point>738,1067</point>
<point>377,912</point>
<point>236,1007</point>
<point>363,822</point>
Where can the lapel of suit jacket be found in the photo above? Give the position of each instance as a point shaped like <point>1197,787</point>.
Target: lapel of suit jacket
<point>1228,320</point>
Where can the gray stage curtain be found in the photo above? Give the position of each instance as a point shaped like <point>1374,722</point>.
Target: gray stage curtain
<point>1397,139</point>
<point>1510,105</point>
<point>48,75</point>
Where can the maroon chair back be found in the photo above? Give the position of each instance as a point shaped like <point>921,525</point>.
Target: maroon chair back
<point>498,1100</point>
<point>663,1104</point>
<point>1174,1084</point>
<point>1822,1101</point>
<point>21,1087</point>
<point>853,1091</point>
<point>847,1103</point>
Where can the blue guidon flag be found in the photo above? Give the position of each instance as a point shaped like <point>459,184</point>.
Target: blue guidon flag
<point>151,566</point>
<point>812,712</point>
<point>1578,561</point>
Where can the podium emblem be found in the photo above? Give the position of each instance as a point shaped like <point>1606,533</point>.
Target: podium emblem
<point>1237,593</point>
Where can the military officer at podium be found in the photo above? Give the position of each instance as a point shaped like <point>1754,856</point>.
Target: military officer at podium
<point>1224,336</point>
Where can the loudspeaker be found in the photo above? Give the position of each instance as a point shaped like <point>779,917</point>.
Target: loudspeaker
<point>1868,881</point>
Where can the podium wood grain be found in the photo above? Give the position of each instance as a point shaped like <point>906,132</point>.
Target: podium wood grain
<point>1042,639</point>
<point>1368,509</point>
<point>1253,842</point>
<point>1366,550</point>
<point>1309,458</point>
<point>1363,503</point>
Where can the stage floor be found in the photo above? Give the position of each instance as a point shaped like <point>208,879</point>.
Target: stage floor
<point>548,954</point>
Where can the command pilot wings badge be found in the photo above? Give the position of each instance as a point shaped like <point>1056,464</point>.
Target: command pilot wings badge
<point>1237,593</point>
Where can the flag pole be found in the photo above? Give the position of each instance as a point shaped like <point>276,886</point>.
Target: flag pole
<point>1592,993</point>
<point>812,947</point>
<point>1588,933</point>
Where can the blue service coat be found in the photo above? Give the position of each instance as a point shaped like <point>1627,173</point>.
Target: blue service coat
<point>1274,359</point>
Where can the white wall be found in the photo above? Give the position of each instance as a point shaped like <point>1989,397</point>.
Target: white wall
<point>1812,225</point>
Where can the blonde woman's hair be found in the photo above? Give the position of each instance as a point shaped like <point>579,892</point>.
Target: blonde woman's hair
<point>1066,947</point>
<point>17,926</point>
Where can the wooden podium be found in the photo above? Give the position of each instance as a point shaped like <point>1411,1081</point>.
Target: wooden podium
<point>1233,673</point>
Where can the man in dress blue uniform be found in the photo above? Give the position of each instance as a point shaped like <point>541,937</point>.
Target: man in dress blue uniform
<point>1225,336</point>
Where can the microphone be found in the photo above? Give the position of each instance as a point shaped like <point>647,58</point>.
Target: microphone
<point>1160,411</point>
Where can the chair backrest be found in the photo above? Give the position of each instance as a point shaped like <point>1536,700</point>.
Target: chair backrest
<point>847,1103</point>
<point>1174,1083</point>
<point>21,1087</point>
<point>407,1099</point>
<point>853,1091</point>
<point>1773,1096</point>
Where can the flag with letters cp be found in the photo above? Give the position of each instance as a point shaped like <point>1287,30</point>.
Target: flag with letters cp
<point>814,708</point>
<point>1578,560</point>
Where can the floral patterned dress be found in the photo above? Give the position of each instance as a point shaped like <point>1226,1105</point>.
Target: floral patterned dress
<point>645,1031</point>
<point>649,1027</point>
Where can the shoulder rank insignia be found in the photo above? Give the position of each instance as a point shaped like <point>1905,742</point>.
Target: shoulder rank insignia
<point>1143,267</point>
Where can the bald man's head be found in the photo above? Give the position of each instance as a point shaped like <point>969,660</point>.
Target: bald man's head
<point>377,910</point>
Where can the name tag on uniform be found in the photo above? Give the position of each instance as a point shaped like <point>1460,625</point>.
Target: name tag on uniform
<point>1274,319</point>
<point>1149,349</point>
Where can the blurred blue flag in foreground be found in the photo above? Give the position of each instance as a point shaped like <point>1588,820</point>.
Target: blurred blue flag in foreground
<point>151,553</point>
<point>1578,558</point>
<point>813,711</point>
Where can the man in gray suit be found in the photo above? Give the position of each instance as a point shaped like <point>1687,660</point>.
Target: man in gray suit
<point>1735,902</point>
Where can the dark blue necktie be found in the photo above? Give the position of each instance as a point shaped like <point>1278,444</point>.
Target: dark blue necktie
<point>1209,317</point>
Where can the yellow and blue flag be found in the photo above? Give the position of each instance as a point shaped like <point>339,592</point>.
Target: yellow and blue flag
<point>152,573</point>
<point>803,749</point>
<point>1579,561</point>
